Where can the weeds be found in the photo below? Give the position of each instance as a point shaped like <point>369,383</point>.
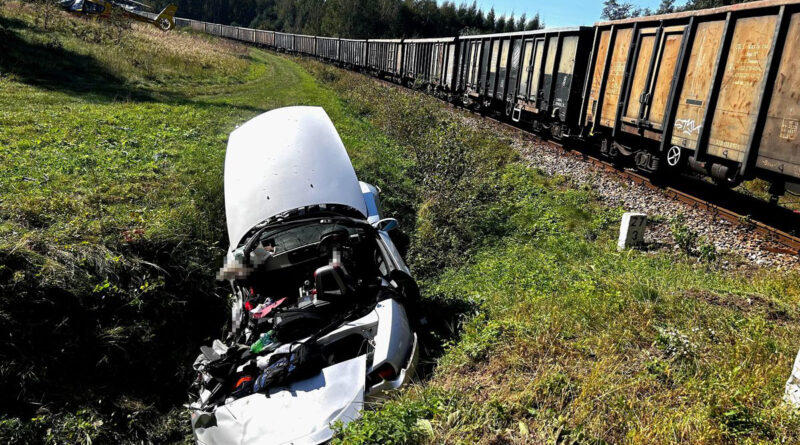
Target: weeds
<point>690,242</point>
<point>394,423</point>
<point>707,252</point>
<point>46,12</point>
<point>685,237</point>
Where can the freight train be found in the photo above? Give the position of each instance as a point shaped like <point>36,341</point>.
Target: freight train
<point>715,92</point>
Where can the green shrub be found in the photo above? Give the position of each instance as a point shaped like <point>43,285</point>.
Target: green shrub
<point>394,423</point>
<point>707,252</point>
<point>684,236</point>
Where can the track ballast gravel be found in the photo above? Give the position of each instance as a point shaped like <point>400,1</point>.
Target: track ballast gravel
<point>736,242</point>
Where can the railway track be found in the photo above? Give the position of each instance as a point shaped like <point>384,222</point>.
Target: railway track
<point>777,225</point>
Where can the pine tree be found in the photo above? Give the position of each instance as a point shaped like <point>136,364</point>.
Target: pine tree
<point>490,23</point>
<point>521,23</point>
<point>666,7</point>
<point>534,23</point>
<point>613,10</point>
<point>500,25</point>
<point>511,22</point>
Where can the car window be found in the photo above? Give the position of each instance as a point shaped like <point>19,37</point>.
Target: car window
<point>300,236</point>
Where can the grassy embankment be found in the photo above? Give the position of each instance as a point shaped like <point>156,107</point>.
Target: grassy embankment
<point>570,341</point>
<point>111,216</point>
<point>112,164</point>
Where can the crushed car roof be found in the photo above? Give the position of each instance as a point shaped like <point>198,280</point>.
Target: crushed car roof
<point>282,160</point>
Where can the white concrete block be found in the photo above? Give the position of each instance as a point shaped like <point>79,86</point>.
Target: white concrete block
<point>792,394</point>
<point>631,231</point>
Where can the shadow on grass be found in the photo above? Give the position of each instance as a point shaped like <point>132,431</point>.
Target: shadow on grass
<point>441,326</point>
<point>50,66</point>
<point>75,347</point>
<point>12,23</point>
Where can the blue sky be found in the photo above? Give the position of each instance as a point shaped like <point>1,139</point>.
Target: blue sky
<point>557,12</point>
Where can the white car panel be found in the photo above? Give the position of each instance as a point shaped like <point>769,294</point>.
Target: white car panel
<point>301,413</point>
<point>372,200</point>
<point>391,249</point>
<point>394,338</point>
<point>402,377</point>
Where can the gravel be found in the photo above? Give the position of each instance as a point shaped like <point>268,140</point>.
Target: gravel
<point>739,246</point>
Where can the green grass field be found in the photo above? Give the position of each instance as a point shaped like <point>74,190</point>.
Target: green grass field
<point>111,229</point>
<point>111,215</point>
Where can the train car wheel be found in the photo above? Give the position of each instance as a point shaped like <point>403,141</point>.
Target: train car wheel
<point>608,148</point>
<point>675,157</point>
<point>555,130</point>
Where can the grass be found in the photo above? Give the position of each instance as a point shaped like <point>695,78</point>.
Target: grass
<point>111,227</point>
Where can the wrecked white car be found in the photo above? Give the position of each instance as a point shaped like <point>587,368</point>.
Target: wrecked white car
<point>319,322</point>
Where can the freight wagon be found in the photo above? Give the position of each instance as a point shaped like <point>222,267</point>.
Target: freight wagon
<point>430,62</point>
<point>533,76</point>
<point>385,57</point>
<point>284,42</point>
<point>305,44</point>
<point>248,35</point>
<point>230,32</point>
<point>265,38</point>
<point>328,48</point>
<point>353,53</point>
<point>715,90</point>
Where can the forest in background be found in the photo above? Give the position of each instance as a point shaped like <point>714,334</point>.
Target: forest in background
<point>356,18</point>
<point>364,19</point>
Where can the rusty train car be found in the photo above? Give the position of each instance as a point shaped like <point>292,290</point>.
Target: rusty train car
<point>715,92</point>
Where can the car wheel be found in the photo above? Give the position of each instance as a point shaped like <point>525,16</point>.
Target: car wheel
<point>164,24</point>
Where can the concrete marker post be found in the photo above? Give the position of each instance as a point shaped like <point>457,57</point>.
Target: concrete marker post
<point>631,231</point>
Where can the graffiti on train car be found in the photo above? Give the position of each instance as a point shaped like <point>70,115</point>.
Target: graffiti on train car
<point>687,126</point>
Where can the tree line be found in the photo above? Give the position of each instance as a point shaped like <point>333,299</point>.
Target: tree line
<point>360,19</point>
<point>615,9</point>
